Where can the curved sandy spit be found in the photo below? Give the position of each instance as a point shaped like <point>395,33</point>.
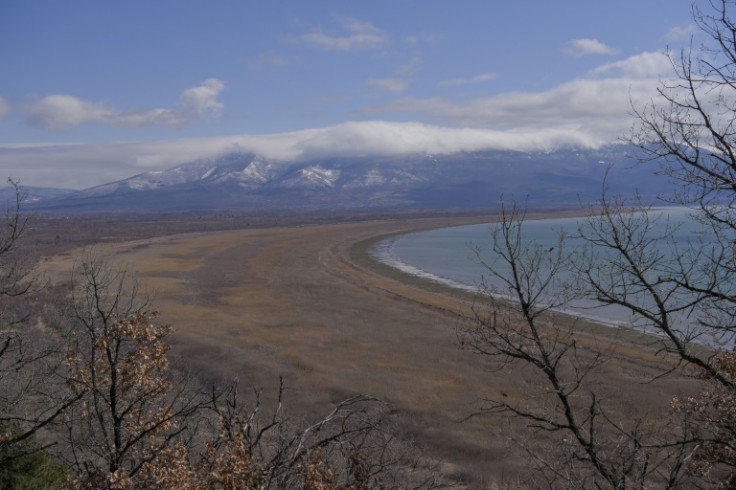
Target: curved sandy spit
<point>304,303</point>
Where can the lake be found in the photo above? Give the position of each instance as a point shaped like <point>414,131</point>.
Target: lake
<point>448,255</point>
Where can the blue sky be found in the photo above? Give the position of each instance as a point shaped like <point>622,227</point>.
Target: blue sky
<point>94,91</point>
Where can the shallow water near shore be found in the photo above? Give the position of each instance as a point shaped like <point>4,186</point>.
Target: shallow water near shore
<point>453,256</point>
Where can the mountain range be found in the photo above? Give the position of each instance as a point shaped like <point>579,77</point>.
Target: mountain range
<point>471,180</point>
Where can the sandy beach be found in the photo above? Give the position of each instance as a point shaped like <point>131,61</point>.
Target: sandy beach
<point>307,304</point>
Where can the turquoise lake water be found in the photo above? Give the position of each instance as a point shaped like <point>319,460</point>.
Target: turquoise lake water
<point>448,255</point>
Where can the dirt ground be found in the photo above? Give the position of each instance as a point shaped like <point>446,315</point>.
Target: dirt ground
<point>305,303</point>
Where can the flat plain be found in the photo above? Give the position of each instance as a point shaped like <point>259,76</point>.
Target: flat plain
<point>306,303</point>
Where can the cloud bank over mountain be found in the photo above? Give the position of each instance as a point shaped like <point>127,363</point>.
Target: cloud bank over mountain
<point>586,112</point>
<point>84,165</point>
<point>118,89</point>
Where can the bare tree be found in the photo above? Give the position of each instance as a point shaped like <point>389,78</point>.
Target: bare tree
<point>353,446</point>
<point>683,293</point>
<point>713,411</point>
<point>131,406</point>
<point>15,271</point>
<point>689,130</point>
<point>28,358</point>
<point>518,323</point>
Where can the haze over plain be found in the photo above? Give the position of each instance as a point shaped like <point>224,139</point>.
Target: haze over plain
<point>94,93</point>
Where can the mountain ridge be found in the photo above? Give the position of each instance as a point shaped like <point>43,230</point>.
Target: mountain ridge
<point>468,180</point>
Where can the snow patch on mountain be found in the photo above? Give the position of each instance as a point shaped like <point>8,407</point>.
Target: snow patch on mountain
<point>402,176</point>
<point>371,178</point>
<point>313,176</point>
<point>257,172</point>
<point>465,180</point>
<point>207,173</point>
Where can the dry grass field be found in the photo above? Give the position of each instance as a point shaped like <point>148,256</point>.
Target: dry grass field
<point>305,303</point>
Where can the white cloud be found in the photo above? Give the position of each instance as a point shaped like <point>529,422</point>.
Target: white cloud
<point>585,46</point>
<point>483,77</point>
<point>390,84</point>
<point>202,100</point>
<point>681,33</point>
<point>589,111</point>
<point>64,112</point>
<point>597,105</point>
<point>269,58</point>
<point>410,67</point>
<point>85,165</point>
<point>411,40</point>
<point>389,138</point>
<point>648,64</point>
<point>356,35</point>
<point>402,82</point>
<point>4,107</point>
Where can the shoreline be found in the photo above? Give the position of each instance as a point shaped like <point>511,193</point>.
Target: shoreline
<point>379,251</point>
<point>307,304</point>
<point>364,253</point>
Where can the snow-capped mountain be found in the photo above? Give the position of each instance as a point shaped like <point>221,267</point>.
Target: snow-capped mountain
<point>464,180</point>
<point>31,194</point>
<point>245,170</point>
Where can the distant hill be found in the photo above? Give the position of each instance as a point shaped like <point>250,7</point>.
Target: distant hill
<point>33,195</point>
<point>475,180</point>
